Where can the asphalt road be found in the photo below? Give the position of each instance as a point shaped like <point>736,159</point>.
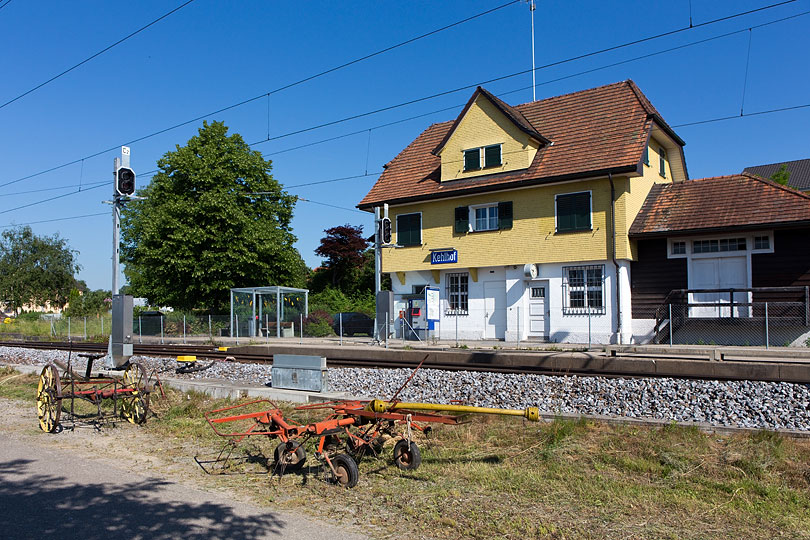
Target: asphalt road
<point>45,494</point>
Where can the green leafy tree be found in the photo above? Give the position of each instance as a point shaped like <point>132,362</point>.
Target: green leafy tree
<point>35,269</point>
<point>83,303</point>
<point>213,218</point>
<point>782,176</point>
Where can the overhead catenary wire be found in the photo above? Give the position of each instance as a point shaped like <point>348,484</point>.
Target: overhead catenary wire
<point>4,4</point>
<point>549,81</point>
<point>99,53</point>
<point>83,216</point>
<point>266,94</point>
<point>406,103</point>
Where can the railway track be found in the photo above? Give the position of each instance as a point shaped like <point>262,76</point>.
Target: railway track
<point>211,353</point>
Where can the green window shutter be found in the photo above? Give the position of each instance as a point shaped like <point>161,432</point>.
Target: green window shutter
<point>574,212</point>
<point>505,215</point>
<point>492,156</point>
<point>646,155</point>
<point>409,229</point>
<point>472,159</point>
<point>462,220</point>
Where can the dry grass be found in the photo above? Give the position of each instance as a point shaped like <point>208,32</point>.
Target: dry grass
<point>503,478</point>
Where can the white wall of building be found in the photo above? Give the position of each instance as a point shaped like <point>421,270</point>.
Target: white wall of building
<point>515,287</point>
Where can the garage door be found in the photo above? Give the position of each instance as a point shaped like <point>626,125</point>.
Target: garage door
<point>718,273</point>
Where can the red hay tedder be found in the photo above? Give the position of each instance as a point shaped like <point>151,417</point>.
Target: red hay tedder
<point>351,430</point>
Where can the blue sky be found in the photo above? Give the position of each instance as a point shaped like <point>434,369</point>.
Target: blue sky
<point>210,55</point>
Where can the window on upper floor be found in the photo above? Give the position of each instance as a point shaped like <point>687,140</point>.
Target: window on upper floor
<point>409,229</point>
<point>573,212</point>
<point>662,162</point>
<point>472,159</point>
<point>679,247</point>
<point>483,217</point>
<point>491,157</point>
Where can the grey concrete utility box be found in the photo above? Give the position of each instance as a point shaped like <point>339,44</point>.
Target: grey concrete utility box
<point>300,372</point>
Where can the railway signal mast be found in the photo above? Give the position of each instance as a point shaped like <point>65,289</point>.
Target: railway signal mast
<point>120,347</point>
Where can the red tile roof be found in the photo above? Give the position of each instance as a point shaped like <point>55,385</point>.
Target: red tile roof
<point>719,203</point>
<point>593,132</point>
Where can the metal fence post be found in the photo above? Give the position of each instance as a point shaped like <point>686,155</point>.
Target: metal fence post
<point>69,339</point>
<point>102,326</point>
<point>237,328</point>
<point>670,325</point>
<point>340,320</point>
<point>456,328</point>
<point>267,328</point>
<point>85,328</point>
<point>140,334</point>
<point>403,329</point>
<point>589,326</point>
<point>210,330</point>
<point>161,329</point>
<point>517,339</point>
<point>301,334</point>
<point>184,329</point>
<point>767,337</point>
<point>386,332</point>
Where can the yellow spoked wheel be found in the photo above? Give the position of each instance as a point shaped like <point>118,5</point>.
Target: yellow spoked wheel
<point>49,399</point>
<point>135,404</point>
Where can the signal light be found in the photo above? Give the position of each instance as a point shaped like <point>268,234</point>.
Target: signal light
<point>386,231</point>
<point>125,181</point>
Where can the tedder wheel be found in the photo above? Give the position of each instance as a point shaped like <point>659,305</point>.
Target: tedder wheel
<point>346,470</point>
<point>135,405</point>
<point>49,399</point>
<point>407,457</point>
<point>291,459</point>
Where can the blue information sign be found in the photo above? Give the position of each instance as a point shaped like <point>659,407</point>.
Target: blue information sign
<point>444,257</point>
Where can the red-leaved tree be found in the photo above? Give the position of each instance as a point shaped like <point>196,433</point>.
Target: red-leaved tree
<point>343,248</point>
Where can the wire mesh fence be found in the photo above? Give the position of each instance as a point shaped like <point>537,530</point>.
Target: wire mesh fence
<point>768,324</point>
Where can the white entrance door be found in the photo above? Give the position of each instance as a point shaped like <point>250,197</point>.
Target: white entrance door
<point>718,273</point>
<point>495,309</point>
<point>538,322</point>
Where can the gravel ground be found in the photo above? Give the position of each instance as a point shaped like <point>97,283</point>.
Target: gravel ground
<point>749,404</point>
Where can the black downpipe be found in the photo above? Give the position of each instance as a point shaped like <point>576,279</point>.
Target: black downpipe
<point>613,256</point>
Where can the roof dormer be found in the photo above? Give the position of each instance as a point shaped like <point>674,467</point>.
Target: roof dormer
<point>488,137</point>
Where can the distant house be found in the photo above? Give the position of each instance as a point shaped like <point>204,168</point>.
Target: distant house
<point>799,172</point>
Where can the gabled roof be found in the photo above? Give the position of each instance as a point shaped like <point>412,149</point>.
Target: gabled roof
<point>740,201</point>
<point>594,132</point>
<point>510,112</point>
<point>799,172</point>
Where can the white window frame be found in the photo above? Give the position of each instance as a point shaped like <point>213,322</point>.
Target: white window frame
<point>482,160</point>
<point>472,220</point>
<point>586,289</point>
<point>590,202</point>
<point>769,249</point>
<point>462,296</point>
<point>421,226</point>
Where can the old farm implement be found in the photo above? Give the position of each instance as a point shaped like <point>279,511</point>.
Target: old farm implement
<point>129,395</point>
<point>352,429</point>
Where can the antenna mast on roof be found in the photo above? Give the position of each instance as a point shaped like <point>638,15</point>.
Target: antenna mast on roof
<point>531,11</point>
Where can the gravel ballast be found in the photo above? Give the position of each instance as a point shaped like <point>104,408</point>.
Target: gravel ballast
<point>746,404</point>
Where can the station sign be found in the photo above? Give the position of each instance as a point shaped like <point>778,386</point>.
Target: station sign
<point>444,257</point>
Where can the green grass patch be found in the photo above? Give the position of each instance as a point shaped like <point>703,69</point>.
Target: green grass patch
<point>505,478</point>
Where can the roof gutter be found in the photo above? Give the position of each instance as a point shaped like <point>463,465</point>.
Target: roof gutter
<point>625,169</point>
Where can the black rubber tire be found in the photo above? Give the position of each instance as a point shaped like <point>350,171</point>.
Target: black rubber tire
<point>346,467</point>
<point>407,458</point>
<point>293,460</point>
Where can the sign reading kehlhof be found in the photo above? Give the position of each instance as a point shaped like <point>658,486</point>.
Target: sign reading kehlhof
<point>444,257</point>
